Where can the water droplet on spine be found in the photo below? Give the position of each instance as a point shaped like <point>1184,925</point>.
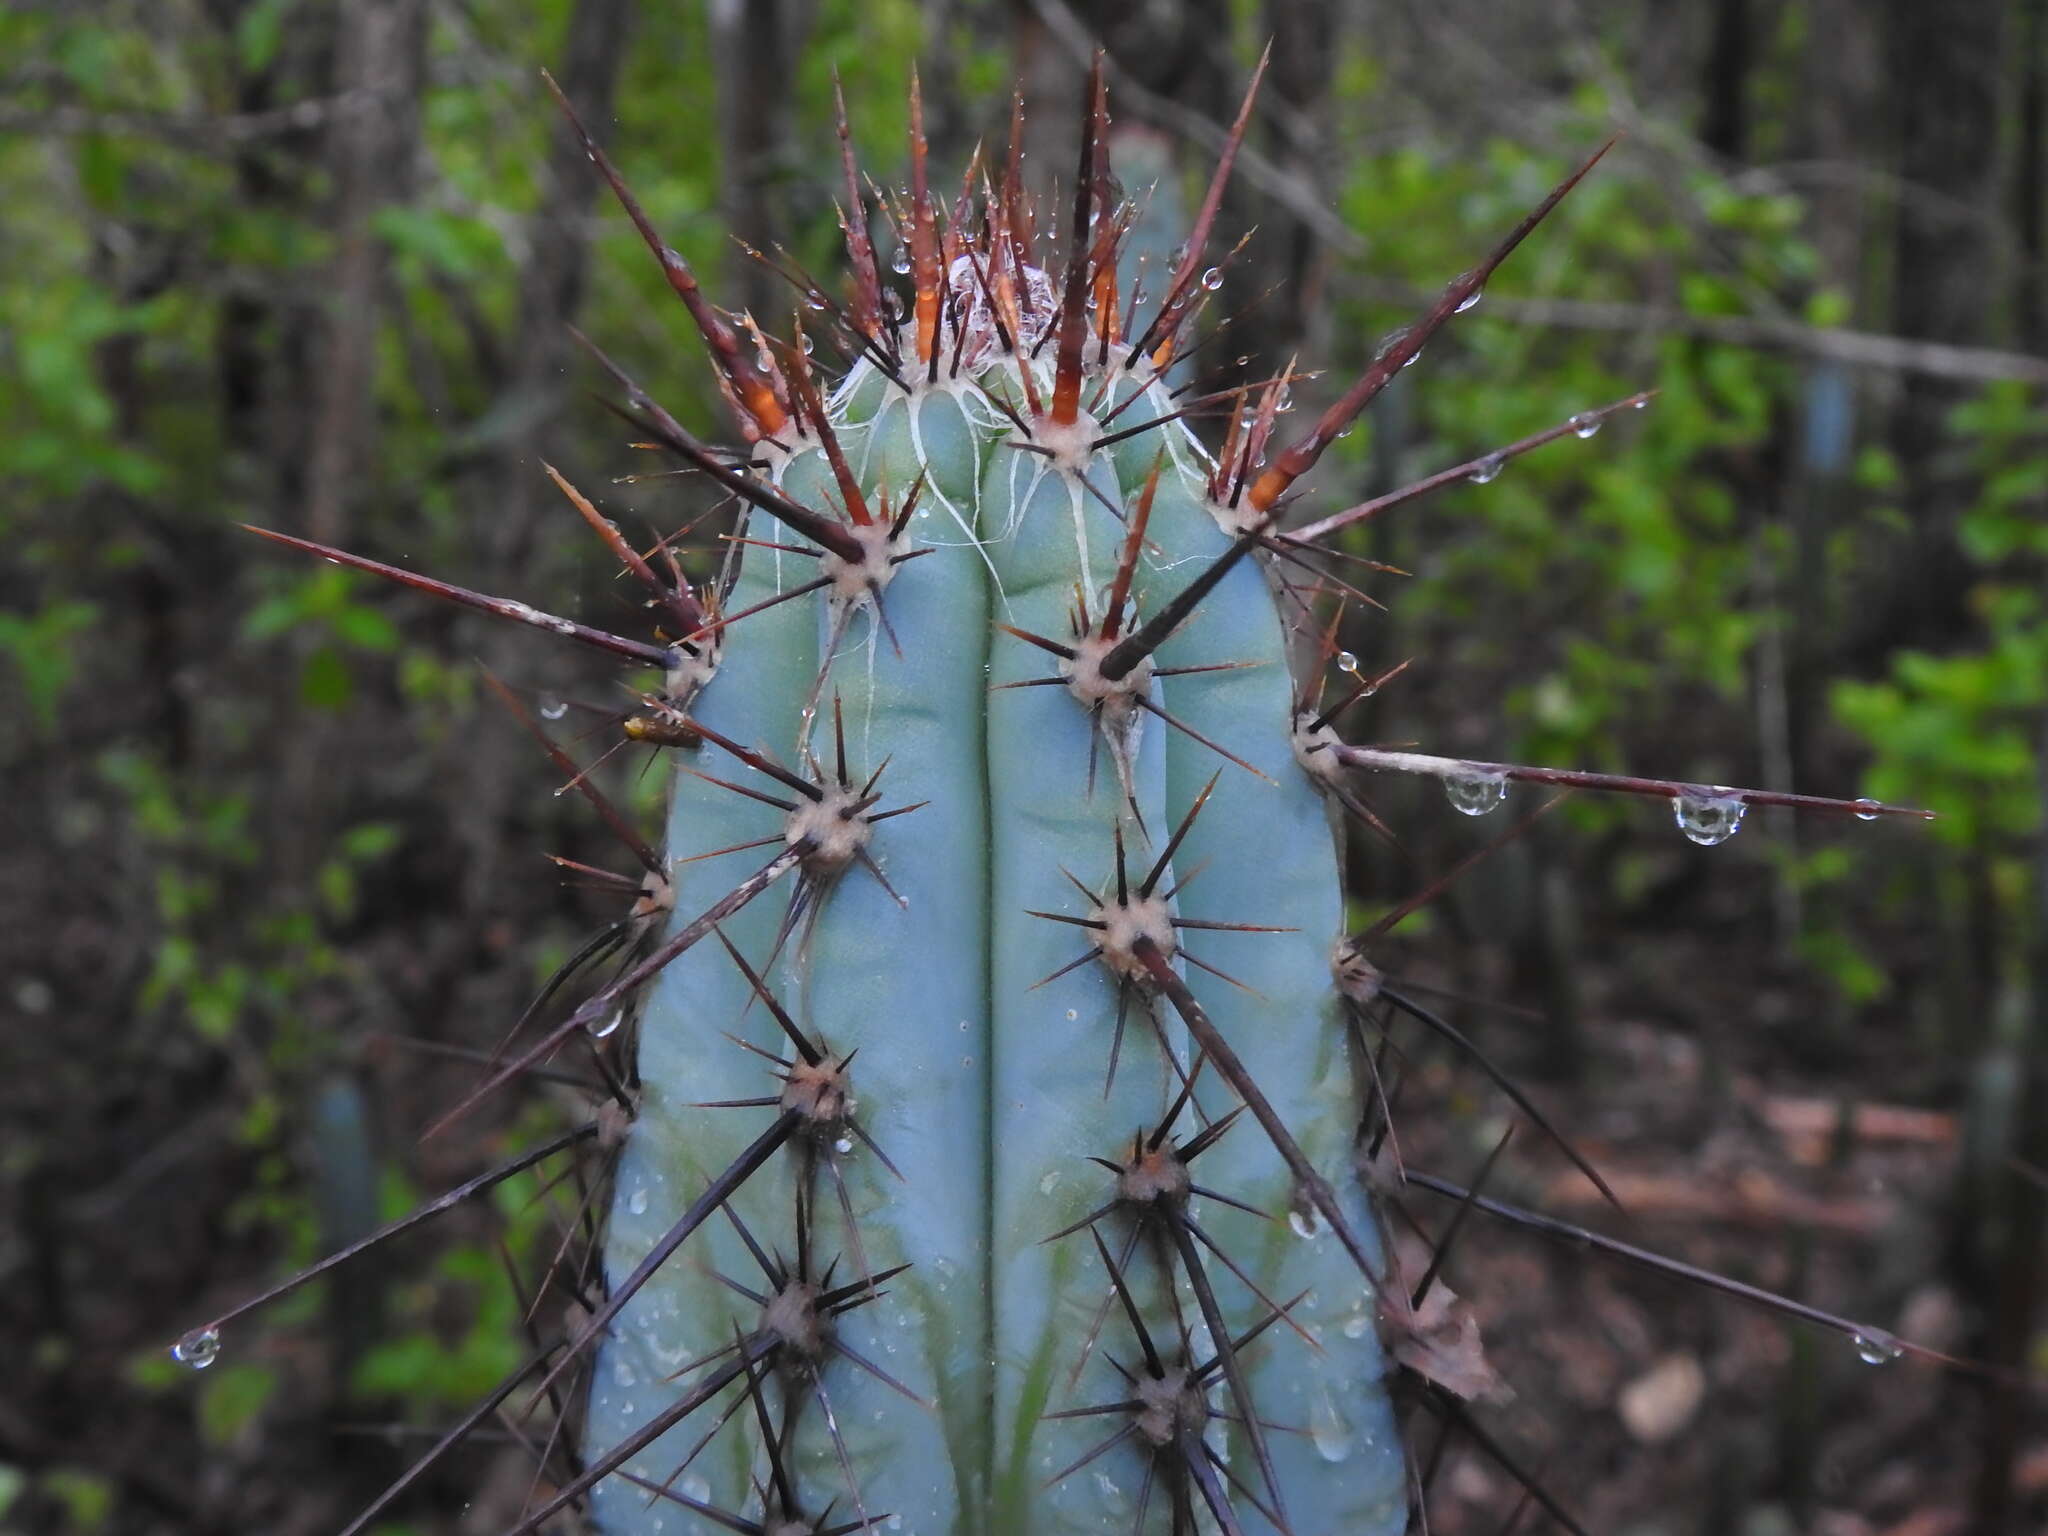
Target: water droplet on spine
<point>599,1031</point>
<point>553,709</point>
<point>1487,470</point>
<point>1585,424</point>
<point>198,1349</point>
<point>1475,793</point>
<point>1213,279</point>
<point>1877,1348</point>
<point>1467,302</point>
<point>1866,809</point>
<point>1708,818</point>
<point>1346,662</point>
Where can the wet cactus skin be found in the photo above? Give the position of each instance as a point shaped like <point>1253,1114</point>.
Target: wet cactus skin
<point>987,1091</point>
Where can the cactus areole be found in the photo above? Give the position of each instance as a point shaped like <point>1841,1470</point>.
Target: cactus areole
<point>990,1124</point>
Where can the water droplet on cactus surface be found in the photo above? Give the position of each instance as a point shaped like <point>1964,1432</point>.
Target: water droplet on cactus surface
<point>695,1487</point>
<point>1356,1324</point>
<point>901,264</point>
<point>1213,279</point>
<point>1327,1428</point>
<point>1050,1182</point>
<point>1346,662</point>
<point>1073,1013</point>
<point>637,1201</point>
<point>198,1349</point>
<point>553,709</point>
<point>1708,818</point>
<point>1307,1225</point>
<point>818,301</point>
<point>1866,809</point>
<point>1878,1348</point>
<point>1474,794</point>
<point>1467,302</point>
<point>843,1145</point>
<point>1585,424</point>
<point>1244,359</point>
<point>1488,469</point>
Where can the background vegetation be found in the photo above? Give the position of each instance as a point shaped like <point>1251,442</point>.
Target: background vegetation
<point>268,856</point>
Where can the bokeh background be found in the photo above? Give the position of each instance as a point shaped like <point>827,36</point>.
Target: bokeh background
<point>269,857</point>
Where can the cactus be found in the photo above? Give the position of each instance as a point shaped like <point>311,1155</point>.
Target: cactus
<point>996,1151</point>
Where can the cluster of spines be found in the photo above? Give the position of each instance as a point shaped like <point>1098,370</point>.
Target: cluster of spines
<point>1106,664</point>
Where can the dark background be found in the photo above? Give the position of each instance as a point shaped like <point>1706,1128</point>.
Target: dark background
<point>309,265</point>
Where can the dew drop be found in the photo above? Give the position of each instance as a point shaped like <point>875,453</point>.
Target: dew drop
<point>1356,1324</point>
<point>1327,1429</point>
<point>1346,662</point>
<point>198,1349</point>
<point>901,265</point>
<point>818,301</point>
<point>1866,809</point>
<point>1708,818</point>
<point>1050,1182</point>
<point>1073,1013</point>
<point>1474,794</point>
<point>637,1201</point>
<point>1584,424</point>
<point>1244,360</point>
<point>963,1026</point>
<point>1487,470</point>
<point>1307,1225</point>
<point>1877,1348</point>
<point>1213,279</point>
<point>1643,404</point>
<point>696,1487</point>
<point>553,709</point>
<point>843,1145</point>
<point>1467,302</point>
